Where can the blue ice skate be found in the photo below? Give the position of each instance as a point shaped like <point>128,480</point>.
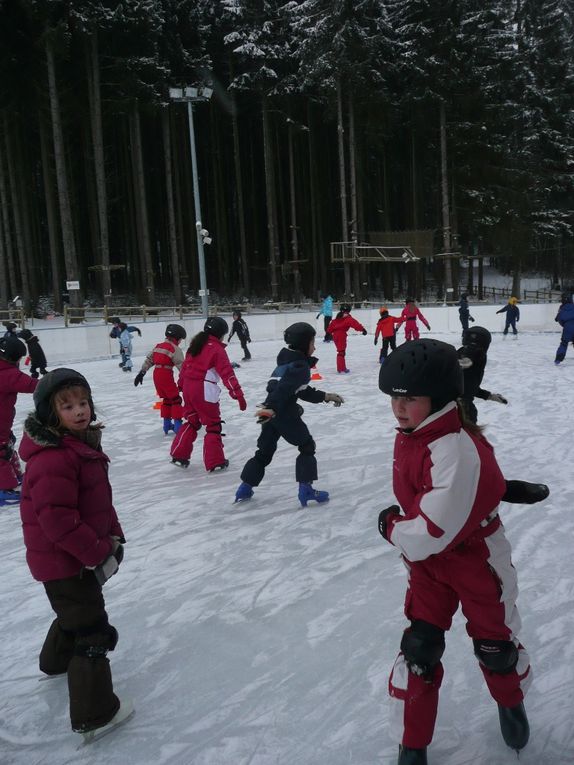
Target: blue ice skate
<point>167,425</point>
<point>9,497</point>
<point>244,492</point>
<point>176,425</point>
<point>308,494</point>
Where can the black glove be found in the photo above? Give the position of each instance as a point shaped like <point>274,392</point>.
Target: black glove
<point>497,397</point>
<point>384,515</point>
<point>317,315</point>
<point>365,332</point>
<point>524,493</point>
<point>110,565</point>
<point>138,379</point>
<point>139,331</point>
<point>375,341</point>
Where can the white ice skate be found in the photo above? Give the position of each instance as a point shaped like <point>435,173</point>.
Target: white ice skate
<point>124,713</point>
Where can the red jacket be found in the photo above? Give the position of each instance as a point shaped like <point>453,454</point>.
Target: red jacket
<point>66,506</point>
<point>386,326</point>
<point>12,382</point>
<point>209,367</point>
<point>412,314</point>
<point>338,328</point>
<point>447,482</point>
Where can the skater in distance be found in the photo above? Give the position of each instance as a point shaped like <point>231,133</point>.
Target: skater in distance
<point>472,359</point>
<point>338,329</point>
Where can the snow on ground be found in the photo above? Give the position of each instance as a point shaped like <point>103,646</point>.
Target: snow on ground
<point>263,633</point>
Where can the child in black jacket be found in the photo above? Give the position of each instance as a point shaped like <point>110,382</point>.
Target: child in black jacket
<point>35,352</point>
<point>280,416</point>
<point>241,329</point>
<point>472,359</point>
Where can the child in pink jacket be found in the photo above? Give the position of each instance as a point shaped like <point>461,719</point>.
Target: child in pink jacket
<point>409,316</point>
<point>338,329</point>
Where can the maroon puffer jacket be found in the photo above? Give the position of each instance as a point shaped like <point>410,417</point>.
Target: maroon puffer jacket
<point>66,505</point>
<point>12,382</point>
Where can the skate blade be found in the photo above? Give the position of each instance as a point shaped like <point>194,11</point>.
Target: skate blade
<point>124,713</point>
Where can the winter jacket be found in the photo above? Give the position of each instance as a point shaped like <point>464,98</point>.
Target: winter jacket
<point>474,373</point>
<point>327,307</point>
<point>66,505</point>
<point>12,382</point>
<point>386,326</point>
<point>36,353</point>
<point>210,367</point>
<point>338,328</point>
<point>565,315</point>
<point>164,354</point>
<point>464,310</point>
<point>116,331</point>
<point>125,339</point>
<point>412,314</point>
<point>447,482</point>
<point>512,312</point>
<point>290,381</point>
<point>240,329</point>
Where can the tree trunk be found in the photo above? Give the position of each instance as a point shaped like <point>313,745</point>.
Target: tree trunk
<point>70,256</point>
<point>358,268</point>
<point>245,282</point>
<point>95,100</point>
<point>3,269</point>
<point>172,230</point>
<point>141,206</point>
<point>51,217</point>
<point>9,245</point>
<point>446,232</point>
<point>270,198</point>
<point>343,182</point>
<point>293,223</point>
<point>319,266</point>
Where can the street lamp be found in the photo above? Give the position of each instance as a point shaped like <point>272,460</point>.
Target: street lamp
<point>191,95</point>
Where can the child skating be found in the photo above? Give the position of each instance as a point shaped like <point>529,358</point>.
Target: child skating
<point>240,328</point>
<point>565,317</point>
<point>164,357</point>
<point>73,544</point>
<point>409,316</point>
<point>326,312</point>
<point>118,327</point>
<point>281,416</point>
<point>472,359</point>
<point>387,327</point>
<point>338,330</point>
<point>36,353</point>
<point>512,312</point>
<point>206,365</point>
<point>12,382</point>
<point>446,526</point>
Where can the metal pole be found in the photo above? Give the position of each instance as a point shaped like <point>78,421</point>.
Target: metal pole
<point>198,225</point>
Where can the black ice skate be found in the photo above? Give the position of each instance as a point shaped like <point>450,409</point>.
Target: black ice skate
<point>409,756</point>
<point>180,463</point>
<point>514,726</point>
<point>224,465</point>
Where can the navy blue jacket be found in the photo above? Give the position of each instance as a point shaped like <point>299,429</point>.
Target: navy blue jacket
<point>565,315</point>
<point>290,381</point>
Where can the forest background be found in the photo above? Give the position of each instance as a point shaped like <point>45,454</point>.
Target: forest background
<point>329,121</point>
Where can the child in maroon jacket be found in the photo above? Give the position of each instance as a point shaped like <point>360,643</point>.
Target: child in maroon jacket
<point>338,329</point>
<point>409,315</point>
<point>73,544</point>
<point>387,327</point>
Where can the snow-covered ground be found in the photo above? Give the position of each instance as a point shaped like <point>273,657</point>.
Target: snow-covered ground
<point>263,633</point>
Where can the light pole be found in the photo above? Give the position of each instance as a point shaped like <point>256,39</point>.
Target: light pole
<point>191,95</point>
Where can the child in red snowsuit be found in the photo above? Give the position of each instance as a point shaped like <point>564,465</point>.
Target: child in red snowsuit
<point>387,327</point>
<point>164,357</point>
<point>12,382</point>
<point>205,364</point>
<point>409,316</point>
<point>452,541</point>
<point>338,329</point>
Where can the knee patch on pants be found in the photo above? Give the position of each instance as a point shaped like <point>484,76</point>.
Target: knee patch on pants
<point>422,646</point>
<point>94,642</point>
<point>216,427</point>
<point>308,448</point>
<point>499,656</point>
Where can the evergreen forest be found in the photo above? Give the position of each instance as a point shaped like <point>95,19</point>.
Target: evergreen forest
<point>314,121</point>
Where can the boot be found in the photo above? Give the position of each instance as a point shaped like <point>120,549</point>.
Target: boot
<point>514,726</point>
<point>408,756</point>
<point>124,713</point>
<point>9,497</point>
<point>176,425</point>
<point>223,466</point>
<point>180,463</point>
<point>307,493</point>
<point>243,493</point>
<point>167,425</point>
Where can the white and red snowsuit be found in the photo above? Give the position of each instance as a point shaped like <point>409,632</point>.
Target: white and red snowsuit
<point>338,328</point>
<point>12,382</point>
<point>409,316</point>
<point>164,357</point>
<point>198,380</point>
<point>449,486</point>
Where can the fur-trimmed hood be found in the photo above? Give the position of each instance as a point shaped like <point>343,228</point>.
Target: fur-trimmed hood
<point>38,437</point>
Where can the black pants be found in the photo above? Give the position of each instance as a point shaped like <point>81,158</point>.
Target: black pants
<point>246,354</point>
<point>77,643</point>
<point>326,321</point>
<point>388,341</point>
<point>291,427</point>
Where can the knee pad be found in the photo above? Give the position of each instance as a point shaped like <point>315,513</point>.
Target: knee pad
<point>498,656</point>
<point>95,642</point>
<point>422,646</point>
<point>308,448</point>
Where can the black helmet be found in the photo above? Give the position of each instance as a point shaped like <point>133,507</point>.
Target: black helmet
<point>345,307</point>
<point>176,331</point>
<point>25,335</point>
<point>10,326</point>
<point>299,335</point>
<point>423,368</point>
<point>50,384</point>
<point>12,349</point>
<point>477,336</point>
<point>216,326</point>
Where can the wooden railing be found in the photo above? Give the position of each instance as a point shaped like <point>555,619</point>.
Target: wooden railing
<point>17,315</point>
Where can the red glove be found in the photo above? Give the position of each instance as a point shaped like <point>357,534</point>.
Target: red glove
<point>242,403</point>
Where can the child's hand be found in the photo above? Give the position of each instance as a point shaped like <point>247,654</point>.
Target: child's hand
<point>264,415</point>
<point>498,398</point>
<point>384,516</point>
<point>242,403</point>
<point>335,398</point>
<point>365,332</point>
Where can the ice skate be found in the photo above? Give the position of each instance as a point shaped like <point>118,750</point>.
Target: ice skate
<point>244,492</point>
<point>180,463</point>
<point>167,425</point>
<point>308,494</point>
<point>224,465</point>
<point>9,497</point>
<point>176,425</point>
<point>343,371</point>
<point>123,714</point>
<point>409,756</point>
<point>514,726</point>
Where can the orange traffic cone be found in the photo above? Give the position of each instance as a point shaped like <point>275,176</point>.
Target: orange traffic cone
<point>314,374</point>
<point>158,404</point>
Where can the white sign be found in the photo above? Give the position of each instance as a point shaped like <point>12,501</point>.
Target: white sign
<point>450,289</point>
<point>72,285</point>
<point>202,293</point>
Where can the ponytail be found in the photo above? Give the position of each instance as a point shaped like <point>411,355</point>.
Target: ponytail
<point>197,343</point>
<point>468,425</point>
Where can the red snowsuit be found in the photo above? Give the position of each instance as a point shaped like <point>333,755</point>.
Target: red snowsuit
<point>386,328</point>
<point>12,382</point>
<point>409,315</point>
<point>164,357</point>
<point>453,545</point>
<point>198,380</point>
<point>338,328</point>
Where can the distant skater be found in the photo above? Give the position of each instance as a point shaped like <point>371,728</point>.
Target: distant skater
<point>326,311</point>
<point>240,328</point>
<point>512,312</point>
<point>409,316</point>
<point>387,327</point>
<point>338,329</point>
<point>565,317</point>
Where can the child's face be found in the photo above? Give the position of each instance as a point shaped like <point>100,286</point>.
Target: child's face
<point>410,411</point>
<point>311,348</point>
<point>73,408</point>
